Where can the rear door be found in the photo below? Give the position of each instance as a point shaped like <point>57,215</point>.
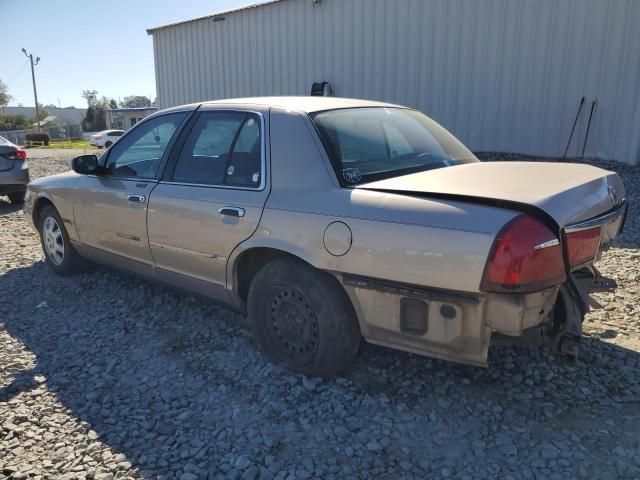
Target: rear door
<point>211,196</point>
<point>110,209</point>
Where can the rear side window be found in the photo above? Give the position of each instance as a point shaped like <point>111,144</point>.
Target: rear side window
<point>222,148</point>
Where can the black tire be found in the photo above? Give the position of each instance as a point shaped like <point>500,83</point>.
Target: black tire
<point>108,144</point>
<point>16,197</point>
<point>303,319</point>
<point>71,261</point>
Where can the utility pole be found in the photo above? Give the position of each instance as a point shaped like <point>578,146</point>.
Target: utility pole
<point>33,77</point>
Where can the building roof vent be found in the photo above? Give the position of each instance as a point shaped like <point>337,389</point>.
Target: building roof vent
<point>321,89</point>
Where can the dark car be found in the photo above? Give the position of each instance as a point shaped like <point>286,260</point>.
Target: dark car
<point>14,171</point>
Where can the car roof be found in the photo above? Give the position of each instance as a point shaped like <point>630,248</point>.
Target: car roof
<point>303,104</point>
<point>298,104</point>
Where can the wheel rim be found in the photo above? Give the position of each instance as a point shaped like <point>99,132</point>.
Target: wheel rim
<point>53,240</point>
<point>293,326</point>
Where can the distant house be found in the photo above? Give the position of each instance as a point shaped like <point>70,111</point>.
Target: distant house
<point>57,116</point>
<point>125,118</point>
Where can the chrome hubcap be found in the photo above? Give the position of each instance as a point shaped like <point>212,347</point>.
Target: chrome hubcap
<point>53,240</point>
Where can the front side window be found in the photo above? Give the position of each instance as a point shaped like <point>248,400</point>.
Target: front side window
<point>139,153</point>
<point>223,148</point>
<point>368,144</point>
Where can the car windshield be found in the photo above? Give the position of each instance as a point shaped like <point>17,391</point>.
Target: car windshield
<point>373,143</point>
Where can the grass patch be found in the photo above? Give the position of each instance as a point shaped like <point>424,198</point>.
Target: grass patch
<point>68,144</point>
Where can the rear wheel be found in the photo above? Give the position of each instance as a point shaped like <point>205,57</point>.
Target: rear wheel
<point>16,197</point>
<point>61,256</point>
<point>108,144</point>
<point>302,319</point>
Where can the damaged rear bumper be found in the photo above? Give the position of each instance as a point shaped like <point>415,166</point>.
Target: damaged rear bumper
<point>459,326</point>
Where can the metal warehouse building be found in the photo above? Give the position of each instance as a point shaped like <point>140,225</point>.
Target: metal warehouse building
<point>502,75</point>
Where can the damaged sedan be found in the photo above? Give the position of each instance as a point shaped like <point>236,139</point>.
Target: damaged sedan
<point>328,221</point>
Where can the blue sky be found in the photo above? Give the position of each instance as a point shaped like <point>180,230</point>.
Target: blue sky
<point>87,45</point>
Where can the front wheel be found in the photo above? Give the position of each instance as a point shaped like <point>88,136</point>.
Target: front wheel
<point>108,144</point>
<point>57,248</point>
<point>303,319</point>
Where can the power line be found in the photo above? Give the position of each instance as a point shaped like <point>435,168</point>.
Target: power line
<point>18,73</point>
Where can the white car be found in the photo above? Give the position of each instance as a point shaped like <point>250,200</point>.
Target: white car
<point>105,138</point>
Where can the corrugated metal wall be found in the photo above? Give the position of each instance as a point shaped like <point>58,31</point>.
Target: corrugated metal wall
<point>502,75</point>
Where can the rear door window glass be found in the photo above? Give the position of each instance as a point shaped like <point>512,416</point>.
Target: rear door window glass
<point>223,148</point>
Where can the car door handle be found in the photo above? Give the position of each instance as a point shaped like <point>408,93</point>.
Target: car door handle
<point>232,211</point>
<point>136,197</point>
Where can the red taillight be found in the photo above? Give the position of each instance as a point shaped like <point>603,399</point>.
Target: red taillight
<point>583,245</point>
<point>525,257</point>
<point>21,154</point>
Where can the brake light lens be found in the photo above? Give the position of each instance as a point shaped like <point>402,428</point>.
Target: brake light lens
<point>19,154</point>
<point>526,257</point>
<point>583,245</point>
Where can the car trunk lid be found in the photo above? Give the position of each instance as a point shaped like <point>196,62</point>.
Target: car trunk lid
<point>569,193</point>
<point>7,160</point>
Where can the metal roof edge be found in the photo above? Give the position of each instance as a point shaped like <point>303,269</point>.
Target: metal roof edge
<point>131,109</point>
<point>216,14</point>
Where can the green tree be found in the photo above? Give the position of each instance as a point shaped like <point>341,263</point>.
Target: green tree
<point>113,103</point>
<point>91,96</point>
<point>95,118</point>
<point>4,94</point>
<point>14,122</point>
<point>136,101</point>
<point>42,113</point>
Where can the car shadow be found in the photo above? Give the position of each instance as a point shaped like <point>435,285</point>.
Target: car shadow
<point>7,207</point>
<point>176,384</point>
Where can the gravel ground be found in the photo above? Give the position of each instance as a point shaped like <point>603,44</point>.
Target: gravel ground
<point>106,376</point>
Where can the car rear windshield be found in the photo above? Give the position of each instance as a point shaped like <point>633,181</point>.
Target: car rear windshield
<point>373,143</point>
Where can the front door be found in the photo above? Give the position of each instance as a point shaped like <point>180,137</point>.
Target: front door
<point>110,209</point>
<point>211,197</point>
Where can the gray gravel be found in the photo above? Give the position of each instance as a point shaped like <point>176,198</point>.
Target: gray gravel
<point>105,376</point>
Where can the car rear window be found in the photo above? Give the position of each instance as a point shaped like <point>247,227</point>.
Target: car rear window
<point>367,144</point>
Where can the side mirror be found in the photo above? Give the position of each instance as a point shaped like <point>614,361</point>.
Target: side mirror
<point>85,164</point>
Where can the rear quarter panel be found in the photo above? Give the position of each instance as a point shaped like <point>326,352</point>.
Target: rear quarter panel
<point>432,243</point>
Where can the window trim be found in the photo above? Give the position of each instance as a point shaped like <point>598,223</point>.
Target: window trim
<point>167,177</point>
<point>104,158</point>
